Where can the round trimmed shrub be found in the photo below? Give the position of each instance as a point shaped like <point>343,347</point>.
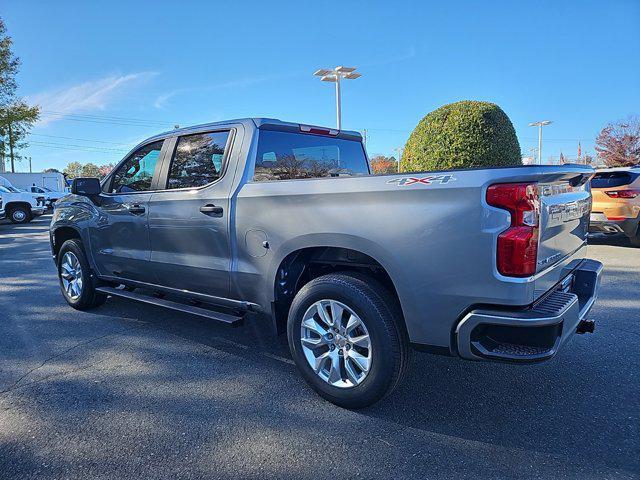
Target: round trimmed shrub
<point>462,135</point>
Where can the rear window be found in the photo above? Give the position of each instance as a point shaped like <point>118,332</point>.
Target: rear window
<point>612,179</point>
<point>286,155</point>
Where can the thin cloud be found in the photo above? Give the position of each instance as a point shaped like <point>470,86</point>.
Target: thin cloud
<point>163,99</point>
<point>88,96</point>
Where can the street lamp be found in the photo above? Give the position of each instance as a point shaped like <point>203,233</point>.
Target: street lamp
<point>334,76</point>
<point>540,125</point>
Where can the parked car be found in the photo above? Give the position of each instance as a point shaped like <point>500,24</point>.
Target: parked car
<point>50,196</point>
<point>616,203</point>
<point>20,207</point>
<point>283,220</point>
<point>52,180</point>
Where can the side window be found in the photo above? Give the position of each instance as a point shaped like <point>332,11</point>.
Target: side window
<point>136,173</point>
<point>197,160</point>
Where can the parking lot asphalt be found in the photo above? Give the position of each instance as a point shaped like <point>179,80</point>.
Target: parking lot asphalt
<point>133,391</point>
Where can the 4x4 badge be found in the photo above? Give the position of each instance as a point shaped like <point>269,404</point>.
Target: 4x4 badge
<point>407,181</point>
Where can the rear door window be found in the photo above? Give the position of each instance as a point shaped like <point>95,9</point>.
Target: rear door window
<point>197,160</point>
<point>288,155</point>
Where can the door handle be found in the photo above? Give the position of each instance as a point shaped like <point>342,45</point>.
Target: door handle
<point>211,209</point>
<point>136,209</point>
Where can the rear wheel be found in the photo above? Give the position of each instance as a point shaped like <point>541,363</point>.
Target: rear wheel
<point>20,214</point>
<point>76,282</point>
<point>346,339</point>
<point>635,240</point>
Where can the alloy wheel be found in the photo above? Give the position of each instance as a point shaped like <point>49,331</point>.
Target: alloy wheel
<point>71,275</point>
<point>336,343</point>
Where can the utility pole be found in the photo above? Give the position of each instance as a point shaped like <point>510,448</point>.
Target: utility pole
<point>540,125</point>
<point>364,138</point>
<point>335,76</point>
<point>30,165</point>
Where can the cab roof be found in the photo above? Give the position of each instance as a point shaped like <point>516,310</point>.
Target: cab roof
<point>263,124</point>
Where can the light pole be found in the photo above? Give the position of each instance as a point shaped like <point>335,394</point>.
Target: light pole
<point>540,125</point>
<point>399,151</point>
<point>334,76</point>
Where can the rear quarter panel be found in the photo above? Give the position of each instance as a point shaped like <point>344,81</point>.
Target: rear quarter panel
<point>436,240</point>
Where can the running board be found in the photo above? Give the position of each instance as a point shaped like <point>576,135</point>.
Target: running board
<point>180,307</point>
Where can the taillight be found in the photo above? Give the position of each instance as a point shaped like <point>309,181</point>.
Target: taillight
<point>623,193</point>
<point>517,251</point>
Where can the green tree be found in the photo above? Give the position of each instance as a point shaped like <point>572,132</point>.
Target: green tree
<point>462,135</point>
<point>16,117</point>
<point>90,170</point>
<point>73,170</point>
<point>16,120</point>
<point>51,170</point>
<point>9,65</point>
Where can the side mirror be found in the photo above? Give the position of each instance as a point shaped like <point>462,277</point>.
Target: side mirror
<point>86,186</point>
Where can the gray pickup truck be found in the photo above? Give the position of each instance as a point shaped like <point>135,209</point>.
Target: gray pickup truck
<point>284,223</point>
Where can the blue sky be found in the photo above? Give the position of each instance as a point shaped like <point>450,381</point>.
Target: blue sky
<point>108,74</point>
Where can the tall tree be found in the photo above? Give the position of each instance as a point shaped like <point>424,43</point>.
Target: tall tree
<point>8,66</point>
<point>618,144</point>
<point>16,117</point>
<point>16,120</point>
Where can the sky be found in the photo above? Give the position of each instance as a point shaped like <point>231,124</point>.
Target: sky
<point>109,74</point>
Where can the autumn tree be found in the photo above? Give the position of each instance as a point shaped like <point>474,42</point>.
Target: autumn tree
<point>104,170</point>
<point>618,144</point>
<point>16,117</point>
<point>382,165</point>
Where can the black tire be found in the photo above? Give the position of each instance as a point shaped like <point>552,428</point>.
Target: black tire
<point>379,311</point>
<point>89,298</point>
<point>635,240</point>
<point>20,214</point>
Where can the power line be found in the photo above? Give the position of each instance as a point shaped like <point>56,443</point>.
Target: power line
<point>69,146</point>
<point>81,139</point>
<point>106,117</point>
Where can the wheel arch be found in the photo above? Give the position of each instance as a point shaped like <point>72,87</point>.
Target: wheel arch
<point>18,203</point>
<point>297,266</point>
<point>61,234</point>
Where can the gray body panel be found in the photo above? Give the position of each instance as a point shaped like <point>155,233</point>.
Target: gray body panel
<point>437,241</point>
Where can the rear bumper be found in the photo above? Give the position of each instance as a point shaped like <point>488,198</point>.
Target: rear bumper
<point>628,226</point>
<point>537,332</point>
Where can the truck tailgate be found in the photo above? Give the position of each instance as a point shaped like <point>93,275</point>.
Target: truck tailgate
<point>564,219</point>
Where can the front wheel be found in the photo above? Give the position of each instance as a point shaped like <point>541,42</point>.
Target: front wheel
<point>76,282</point>
<point>20,214</point>
<point>346,339</point>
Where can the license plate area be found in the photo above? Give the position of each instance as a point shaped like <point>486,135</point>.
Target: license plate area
<point>598,217</point>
